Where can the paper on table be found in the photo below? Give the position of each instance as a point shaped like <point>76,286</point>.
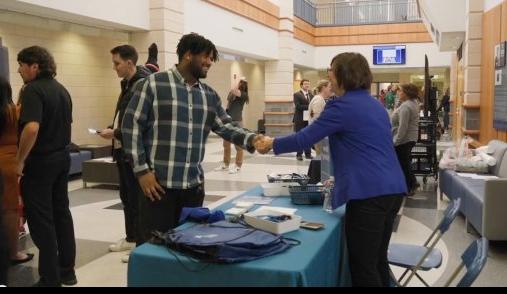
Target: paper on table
<point>306,115</point>
<point>277,210</point>
<point>259,200</point>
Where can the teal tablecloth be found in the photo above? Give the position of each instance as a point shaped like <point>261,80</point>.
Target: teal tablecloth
<point>320,260</point>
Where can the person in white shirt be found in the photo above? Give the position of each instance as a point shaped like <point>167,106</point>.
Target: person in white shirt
<point>318,104</point>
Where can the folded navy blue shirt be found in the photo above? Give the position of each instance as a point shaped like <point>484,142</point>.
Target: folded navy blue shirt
<point>201,215</point>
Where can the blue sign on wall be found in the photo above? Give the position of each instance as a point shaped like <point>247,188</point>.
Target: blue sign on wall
<point>390,55</point>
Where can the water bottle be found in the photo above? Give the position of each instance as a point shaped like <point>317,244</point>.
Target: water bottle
<point>328,188</point>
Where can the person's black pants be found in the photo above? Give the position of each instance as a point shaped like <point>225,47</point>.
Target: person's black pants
<point>129,187</point>
<point>368,229</point>
<point>404,152</point>
<point>4,250</point>
<point>44,188</point>
<point>446,120</point>
<point>298,127</point>
<point>163,215</point>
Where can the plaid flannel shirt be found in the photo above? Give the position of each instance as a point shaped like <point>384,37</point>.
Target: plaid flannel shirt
<point>166,126</point>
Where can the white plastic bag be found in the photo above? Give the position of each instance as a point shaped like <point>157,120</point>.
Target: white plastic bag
<point>449,159</point>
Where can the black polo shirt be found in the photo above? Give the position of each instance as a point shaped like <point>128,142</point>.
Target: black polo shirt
<point>47,102</point>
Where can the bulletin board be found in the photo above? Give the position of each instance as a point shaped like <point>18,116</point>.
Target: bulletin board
<point>500,109</point>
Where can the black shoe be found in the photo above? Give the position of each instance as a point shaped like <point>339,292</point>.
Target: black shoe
<point>299,157</point>
<point>29,256</point>
<point>309,157</point>
<point>69,279</point>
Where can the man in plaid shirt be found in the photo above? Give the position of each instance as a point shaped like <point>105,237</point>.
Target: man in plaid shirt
<point>165,129</point>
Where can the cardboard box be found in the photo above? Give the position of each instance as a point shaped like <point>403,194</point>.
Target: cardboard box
<point>255,219</point>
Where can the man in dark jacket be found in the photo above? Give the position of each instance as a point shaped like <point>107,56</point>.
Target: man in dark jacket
<point>446,106</point>
<point>302,99</point>
<point>124,63</point>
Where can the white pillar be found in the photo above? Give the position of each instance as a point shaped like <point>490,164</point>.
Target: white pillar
<point>472,64</point>
<point>279,77</point>
<point>166,29</point>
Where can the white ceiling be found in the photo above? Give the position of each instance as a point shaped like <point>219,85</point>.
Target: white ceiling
<point>446,22</point>
<point>95,13</point>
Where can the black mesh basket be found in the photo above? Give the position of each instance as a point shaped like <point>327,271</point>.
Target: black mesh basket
<point>302,179</point>
<point>307,195</point>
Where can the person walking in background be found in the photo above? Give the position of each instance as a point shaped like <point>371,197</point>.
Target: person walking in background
<point>124,63</point>
<point>236,101</point>
<point>405,130</point>
<point>445,104</point>
<point>302,99</point>
<point>382,97</point>
<point>43,165</point>
<point>391,97</point>
<point>317,105</point>
<point>8,165</point>
<point>367,173</point>
<point>165,129</point>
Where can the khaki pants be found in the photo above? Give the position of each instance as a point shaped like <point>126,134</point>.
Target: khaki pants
<point>228,149</point>
<point>318,148</point>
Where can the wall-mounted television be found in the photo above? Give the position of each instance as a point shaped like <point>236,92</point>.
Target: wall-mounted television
<point>389,55</point>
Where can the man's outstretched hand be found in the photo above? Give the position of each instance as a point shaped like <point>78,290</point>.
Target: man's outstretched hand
<point>263,144</point>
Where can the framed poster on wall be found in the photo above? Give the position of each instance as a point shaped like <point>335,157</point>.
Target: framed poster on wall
<point>500,109</point>
<point>500,55</point>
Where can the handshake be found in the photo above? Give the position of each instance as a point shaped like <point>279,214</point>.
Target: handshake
<point>263,144</point>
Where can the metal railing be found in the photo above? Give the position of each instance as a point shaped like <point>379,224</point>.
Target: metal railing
<point>357,12</point>
<point>306,10</point>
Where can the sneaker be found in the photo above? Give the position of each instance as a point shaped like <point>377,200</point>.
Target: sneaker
<point>234,170</point>
<point>223,167</point>
<point>299,157</point>
<point>125,258</point>
<point>122,245</point>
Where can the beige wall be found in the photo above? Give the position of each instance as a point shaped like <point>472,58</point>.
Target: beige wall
<point>83,62</point>
<point>221,78</point>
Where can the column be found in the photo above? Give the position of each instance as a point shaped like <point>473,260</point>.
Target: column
<point>166,29</point>
<point>472,68</point>
<point>279,78</point>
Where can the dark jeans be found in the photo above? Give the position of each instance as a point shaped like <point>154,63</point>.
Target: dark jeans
<point>45,195</point>
<point>164,215</point>
<point>129,187</point>
<point>446,120</point>
<point>404,152</point>
<point>4,251</point>
<point>368,229</point>
<point>298,126</point>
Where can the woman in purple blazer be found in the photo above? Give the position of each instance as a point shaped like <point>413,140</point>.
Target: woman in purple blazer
<point>368,176</point>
